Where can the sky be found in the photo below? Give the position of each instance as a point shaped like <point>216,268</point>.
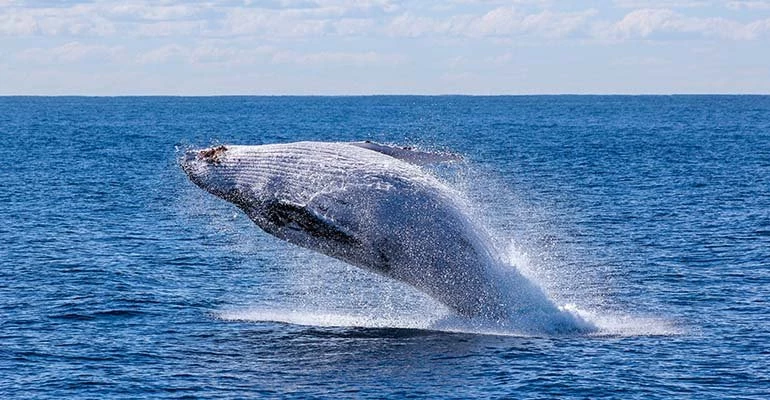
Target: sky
<point>346,47</point>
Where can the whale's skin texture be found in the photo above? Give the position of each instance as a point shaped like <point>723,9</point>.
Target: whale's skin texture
<point>361,206</point>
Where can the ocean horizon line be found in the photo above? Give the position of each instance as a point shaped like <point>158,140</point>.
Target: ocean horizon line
<point>397,95</point>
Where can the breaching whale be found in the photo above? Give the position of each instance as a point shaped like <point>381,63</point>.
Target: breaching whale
<point>372,206</point>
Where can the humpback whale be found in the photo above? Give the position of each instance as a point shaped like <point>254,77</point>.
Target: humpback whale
<point>372,206</point>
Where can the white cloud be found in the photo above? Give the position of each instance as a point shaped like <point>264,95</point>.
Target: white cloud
<point>222,52</point>
<point>172,28</point>
<point>72,52</point>
<point>502,21</point>
<point>257,22</point>
<point>78,20</point>
<point>415,41</point>
<point>163,54</point>
<point>17,24</point>
<point>207,52</point>
<point>95,19</point>
<point>151,12</point>
<point>661,3</point>
<point>410,25</point>
<point>556,25</point>
<point>284,19</point>
<point>642,23</point>
<point>301,23</point>
<point>539,3</point>
<point>650,23</point>
<point>748,5</point>
<point>354,59</point>
<point>646,61</point>
<point>354,26</point>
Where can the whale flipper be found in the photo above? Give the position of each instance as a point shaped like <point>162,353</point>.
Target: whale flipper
<point>286,215</point>
<point>286,220</point>
<point>409,154</point>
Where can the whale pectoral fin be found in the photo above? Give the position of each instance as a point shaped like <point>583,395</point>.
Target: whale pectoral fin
<point>286,215</point>
<point>410,154</point>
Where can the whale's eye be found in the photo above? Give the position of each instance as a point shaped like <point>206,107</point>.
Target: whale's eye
<point>212,155</point>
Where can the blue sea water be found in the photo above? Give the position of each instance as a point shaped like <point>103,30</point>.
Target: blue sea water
<point>650,215</point>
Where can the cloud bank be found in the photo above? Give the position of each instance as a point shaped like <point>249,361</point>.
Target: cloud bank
<point>403,43</point>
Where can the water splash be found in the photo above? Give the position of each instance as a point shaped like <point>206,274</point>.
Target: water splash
<point>607,325</point>
<point>356,299</point>
<point>328,293</point>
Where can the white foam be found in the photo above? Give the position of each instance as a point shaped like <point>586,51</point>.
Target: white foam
<point>325,319</point>
<point>617,324</point>
<point>608,325</point>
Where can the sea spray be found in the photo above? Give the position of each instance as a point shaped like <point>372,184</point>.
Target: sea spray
<point>537,251</point>
<point>509,301</point>
<point>361,206</point>
<point>527,308</point>
<point>320,291</point>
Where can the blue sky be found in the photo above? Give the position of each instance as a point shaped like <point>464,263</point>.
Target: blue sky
<point>340,47</point>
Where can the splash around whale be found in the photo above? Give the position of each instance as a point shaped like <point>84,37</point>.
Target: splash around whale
<point>375,207</point>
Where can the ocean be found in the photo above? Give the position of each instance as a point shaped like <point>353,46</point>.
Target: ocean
<point>648,215</point>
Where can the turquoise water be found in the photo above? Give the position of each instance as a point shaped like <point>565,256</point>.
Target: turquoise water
<point>648,215</point>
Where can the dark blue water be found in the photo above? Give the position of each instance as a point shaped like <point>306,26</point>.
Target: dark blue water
<point>121,279</point>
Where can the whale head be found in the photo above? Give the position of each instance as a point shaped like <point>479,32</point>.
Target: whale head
<point>270,183</point>
<point>277,187</point>
<point>213,170</point>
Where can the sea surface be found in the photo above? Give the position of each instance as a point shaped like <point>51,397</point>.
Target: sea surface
<point>648,215</point>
